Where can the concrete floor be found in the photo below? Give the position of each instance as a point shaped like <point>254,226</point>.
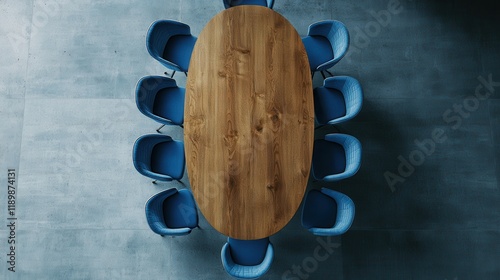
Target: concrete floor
<point>68,70</point>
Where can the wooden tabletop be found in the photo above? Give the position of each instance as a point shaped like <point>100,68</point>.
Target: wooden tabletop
<point>249,122</point>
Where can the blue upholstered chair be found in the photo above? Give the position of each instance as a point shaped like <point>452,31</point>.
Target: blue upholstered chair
<point>327,212</point>
<point>233,3</point>
<point>338,100</point>
<point>247,259</point>
<point>160,99</point>
<point>159,157</point>
<point>171,43</point>
<point>172,212</point>
<point>326,43</point>
<point>336,157</point>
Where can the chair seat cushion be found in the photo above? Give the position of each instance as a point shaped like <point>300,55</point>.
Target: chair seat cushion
<point>169,104</point>
<point>178,50</point>
<point>168,158</point>
<point>248,252</point>
<point>329,104</point>
<point>179,210</point>
<point>320,210</point>
<point>328,158</point>
<point>248,2</point>
<point>319,50</point>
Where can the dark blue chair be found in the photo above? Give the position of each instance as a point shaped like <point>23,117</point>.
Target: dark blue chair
<point>326,43</point>
<point>171,43</point>
<point>247,259</point>
<point>159,157</point>
<point>172,212</point>
<point>233,3</point>
<point>161,99</point>
<point>336,157</point>
<point>338,100</point>
<point>327,212</point>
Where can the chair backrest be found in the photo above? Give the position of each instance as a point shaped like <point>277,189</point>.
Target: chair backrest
<point>160,32</point>
<point>336,33</point>
<point>334,222</point>
<point>232,3</point>
<point>146,90</point>
<point>143,148</point>
<point>143,160</point>
<point>154,210</point>
<point>257,255</point>
<point>352,92</point>
<point>353,151</point>
<point>166,216</point>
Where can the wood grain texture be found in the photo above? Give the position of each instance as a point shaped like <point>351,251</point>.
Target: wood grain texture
<point>249,122</point>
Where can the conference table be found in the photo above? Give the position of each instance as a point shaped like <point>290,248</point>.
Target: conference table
<point>248,122</point>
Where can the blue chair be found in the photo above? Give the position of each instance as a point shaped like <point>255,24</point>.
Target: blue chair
<point>336,157</point>
<point>171,43</point>
<point>172,212</point>
<point>327,212</point>
<point>159,157</point>
<point>233,3</point>
<point>247,259</point>
<point>338,100</point>
<point>161,99</point>
<point>326,43</point>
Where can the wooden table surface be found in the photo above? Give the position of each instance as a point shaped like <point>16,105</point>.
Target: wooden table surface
<point>249,122</point>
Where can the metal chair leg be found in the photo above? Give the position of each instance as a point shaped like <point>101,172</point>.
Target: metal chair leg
<point>182,183</point>
<point>323,74</point>
<point>171,76</point>
<point>158,130</point>
<point>319,126</point>
<point>312,74</point>
<point>329,73</point>
<point>154,182</point>
<point>186,73</point>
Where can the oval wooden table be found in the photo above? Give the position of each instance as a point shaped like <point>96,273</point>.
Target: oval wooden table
<point>249,122</point>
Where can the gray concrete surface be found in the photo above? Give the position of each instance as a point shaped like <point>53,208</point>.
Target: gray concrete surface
<point>68,70</point>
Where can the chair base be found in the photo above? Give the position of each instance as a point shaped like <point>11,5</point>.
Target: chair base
<point>158,129</point>
<point>173,73</point>
<point>182,183</point>
<point>170,76</point>
<point>336,128</point>
<point>322,74</point>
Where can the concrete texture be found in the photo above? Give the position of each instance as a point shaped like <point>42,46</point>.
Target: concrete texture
<point>68,71</point>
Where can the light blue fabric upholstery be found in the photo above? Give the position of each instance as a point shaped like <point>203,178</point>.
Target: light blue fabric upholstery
<point>171,43</point>
<point>314,205</point>
<point>172,212</point>
<point>338,100</point>
<point>159,157</point>
<point>258,252</point>
<point>327,169</point>
<point>322,57</point>
<point>233,3</point>
<point>160,99</point>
